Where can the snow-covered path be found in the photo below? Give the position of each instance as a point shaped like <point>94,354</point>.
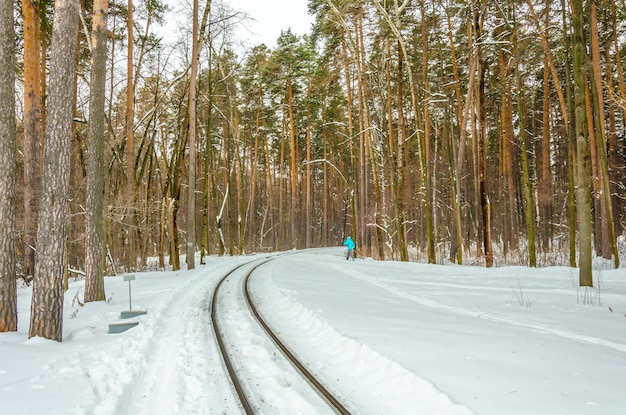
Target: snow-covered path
<point>182,366</point>
<point>388,338</point>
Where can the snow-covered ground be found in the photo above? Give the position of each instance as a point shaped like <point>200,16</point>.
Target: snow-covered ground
<point>387,337</point>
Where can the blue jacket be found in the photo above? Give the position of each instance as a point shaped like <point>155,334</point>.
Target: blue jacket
<point>349,243</point>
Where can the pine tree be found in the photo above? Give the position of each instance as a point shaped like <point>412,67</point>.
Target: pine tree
<point>8,294</point>
<point>47,300</point>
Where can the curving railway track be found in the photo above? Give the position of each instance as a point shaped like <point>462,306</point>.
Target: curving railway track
<point>232,294</point>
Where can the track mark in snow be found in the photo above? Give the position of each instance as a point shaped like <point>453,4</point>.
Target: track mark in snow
<point>178,378</point>
<point>476,314</point>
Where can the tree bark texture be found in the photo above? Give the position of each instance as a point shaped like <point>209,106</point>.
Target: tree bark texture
<point>8,294</point>
<point>95,241</point>
<point>32,130</point>
<point>583,165</point>
<point>609,251</point>
<point>130,143</point>
<point>47,299</point>
<point>191,178</point>
<point>485,204</point>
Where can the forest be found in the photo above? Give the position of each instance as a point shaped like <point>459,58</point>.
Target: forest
<point>483,132</point>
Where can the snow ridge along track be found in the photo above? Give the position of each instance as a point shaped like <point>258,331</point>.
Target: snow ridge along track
<point>239,384</point>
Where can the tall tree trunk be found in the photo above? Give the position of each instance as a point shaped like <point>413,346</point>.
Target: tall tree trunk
<point>269,183</point>
<point>424,154</point>
<point>396,150</point>
<point>600,241</point>
<point>208,183</point>
<point>619,166</point>
<point>191,177</point>
<point>616,165</point>
<point>583,169</point>
<point>351,185</point>
<point>325,181</point>
<point>221,247</point>
<point>529,202</point>
<point>172,214</point>
<point>463,117</point>
<point>94,226</point>
<point>251,216</point>
<point>293,171</point>
<point>47,299</point>
<point>485,204</point>
<point>400,167</point>
<point>456,243</point>
<point>281,186</point>
<point>365,168</point>
<point>309,183</point>
<point>309,190</point>
<point>162,232</point>
<point>8,293</point>
<point>130,143</point>
<point>508,154</point>
<point>545,197</point>
<point>32,129</point>
<point>571,143</point>
<point>544,177</point>
<point>607,211</point>
<point>239,153</point>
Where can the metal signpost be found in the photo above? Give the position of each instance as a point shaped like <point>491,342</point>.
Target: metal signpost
<point>123,326</point>
<point>129,278</point>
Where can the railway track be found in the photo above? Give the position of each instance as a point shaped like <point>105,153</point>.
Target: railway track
<point>247,391</point>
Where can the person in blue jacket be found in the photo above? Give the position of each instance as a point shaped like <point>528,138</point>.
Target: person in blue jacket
<point>349,243</point>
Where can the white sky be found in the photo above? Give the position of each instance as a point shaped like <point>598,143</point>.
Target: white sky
<point>266,19</point>
<point>271,17</point>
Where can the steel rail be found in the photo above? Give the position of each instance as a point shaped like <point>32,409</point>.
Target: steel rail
<point>316,385</point>
<point>321,390</point>
<point>243,399</point>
